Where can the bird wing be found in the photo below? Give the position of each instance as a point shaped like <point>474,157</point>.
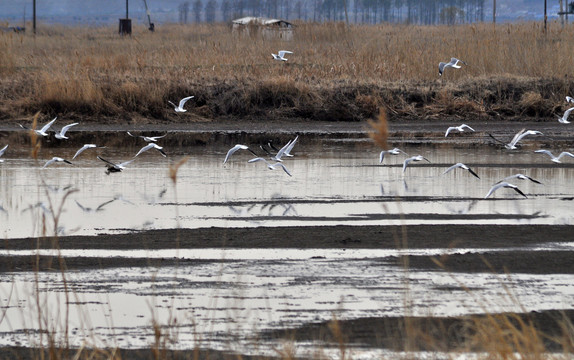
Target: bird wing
<point>257,159</point>
<point>547,152</point>
<point>441,66</point>
<point>533,180</point>
<point>104,204</point>
<point>569,99</point>
<point>565,153</point>
<point>449,130</point>
<point>473,173</point>
<point>145,148</point>
<point>49,162</point>
<point>160,149</point>
<point>154,138</point>
<point>80,205</point>
<point>382,156</point>
<point>3,150</point>
<point>517,137</point>
<point>107,161</point>
<point>283,167</point>
<point>466,126</point>
<point>290,147</point>
<point>283,52</point>
<point>47,126</point>
<point>495,187</point>
<point>515,188</point>
<point>282,151</point>
<point>452,168</point>
<point>80,151</point>
<point>567,113</point>
<point>124,164</point>
<point>184,100</point>
<point>406,162</point>
<point>66,128</point>
<point>233,150</point>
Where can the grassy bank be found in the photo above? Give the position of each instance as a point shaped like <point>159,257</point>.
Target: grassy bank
<point>336,73</point>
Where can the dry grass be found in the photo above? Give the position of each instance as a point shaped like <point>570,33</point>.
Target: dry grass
<point>95,72</point>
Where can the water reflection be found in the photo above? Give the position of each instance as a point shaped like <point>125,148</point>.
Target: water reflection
<point>331,183</point>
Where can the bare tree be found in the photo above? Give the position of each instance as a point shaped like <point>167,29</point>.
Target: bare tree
<point>197,5</point>
<point>210,8</point>
<point>183,12</point>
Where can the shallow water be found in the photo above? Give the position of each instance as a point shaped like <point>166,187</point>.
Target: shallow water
<point>332,183</point>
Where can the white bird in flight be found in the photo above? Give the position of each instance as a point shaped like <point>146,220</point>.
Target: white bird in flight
<point>43,130</point>
<point>453,63</point>
<point>56,159</point>
<point>148,138</point>
<point>519,136</point>
<point>152,145</point>
<point>520,177</point>
<point>462,166</point>
<point>2,151</point>
<point>237,148</point>
<point>291,144</point>
<point>86,147</point>
<point>62,133</point>
<point>413,158</point>
<point>506,185</point>
<point>395,151</point>
<point>569,99</point>
<point>271,166</point>
<point>281,55</point>
<point>556,159</point>
<point>114,167</point>
<point>459,128</point>
<point>564,118</point>
<point>179,108</point>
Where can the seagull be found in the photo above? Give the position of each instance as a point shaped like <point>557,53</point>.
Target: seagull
<point>179,108</point>
<point>459,128</point>
<point>414,158</point>
<point>506,185</point>
<point>463,166</point>
<point>42,131</point>
<point>85,147</point>
<point>564,118</point>
<point>236,148</point>
<point>281,152</point>
<point>2,151</point>
<point>453,63</point>
<point>521,134</point>
<point>56,159</point>
<point>114,167</point>
<point>148,138</point>
<point>62,133</point>
<point>271,166</point>
<point>281,55</point>
<point>150,146</point>
<point>287,151</point>
<point>556,159</point>
<point>91,210</point>
<point>569,99</point>
<point>520,177</point>
<point>395,151</point>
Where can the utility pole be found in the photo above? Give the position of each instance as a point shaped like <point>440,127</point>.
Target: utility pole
<point>34,17</point>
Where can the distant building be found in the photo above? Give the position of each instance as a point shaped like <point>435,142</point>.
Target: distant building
<point>266,28</point>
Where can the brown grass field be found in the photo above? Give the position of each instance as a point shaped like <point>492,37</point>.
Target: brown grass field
<point>336,73</point>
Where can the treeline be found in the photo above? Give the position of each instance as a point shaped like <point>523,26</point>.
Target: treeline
<point>354,11</point>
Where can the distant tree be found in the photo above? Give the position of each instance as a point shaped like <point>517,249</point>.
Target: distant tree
<point>197,5</point>
<point>210,9</point>
<point>183,12</point>
<point>449,15</point>
<point>226,10</point>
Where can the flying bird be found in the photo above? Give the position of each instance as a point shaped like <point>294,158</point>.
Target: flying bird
<point>569,99</point>
<point>86,147</point>
<point>271,166</point>
<point>43,130</point>
<point>179,108</point>
<point>281,55</point>
<point>152,145</point>
<point>56,159</point>
<point>287,151</point>
<point>2,151</point>
<point>62,133</point>
<point>92,210</point>
<point>237,148</point>
<point>414,158</point>
<point>564,118</point>
<point>519,136</point>
<point>459,128</point>
<point>520,177</point>
<point>453,63</point>
<point>556,159</point>
<point>506,185</point>
<point>395,151</point>
<point>148,138</point>
<point>462,166</point>
<point>114,167</point>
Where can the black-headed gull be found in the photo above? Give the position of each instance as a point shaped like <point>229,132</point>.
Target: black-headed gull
<point>520,177</point>
<point>414,158</point>
<point>564,118</point>
<point>56,159</point>
<point>459,128</point>
<point>506,185</point>
<point>271,166</point>
<point>152,146</point>
<point>114,167</point>
<point>462,166</point>
<point>395,151</point>
<point>2,151</point>
<point>519,136</point>
<point>148,138</point>
<point>237,148</point>
<point>556,159</point>
<point>281,55</point>
<point>179,108</point>
<point>86,147</point>
<point>44,130</point>
<point>287,151</point>
<point>62,133</point>
<point>453,63</point>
